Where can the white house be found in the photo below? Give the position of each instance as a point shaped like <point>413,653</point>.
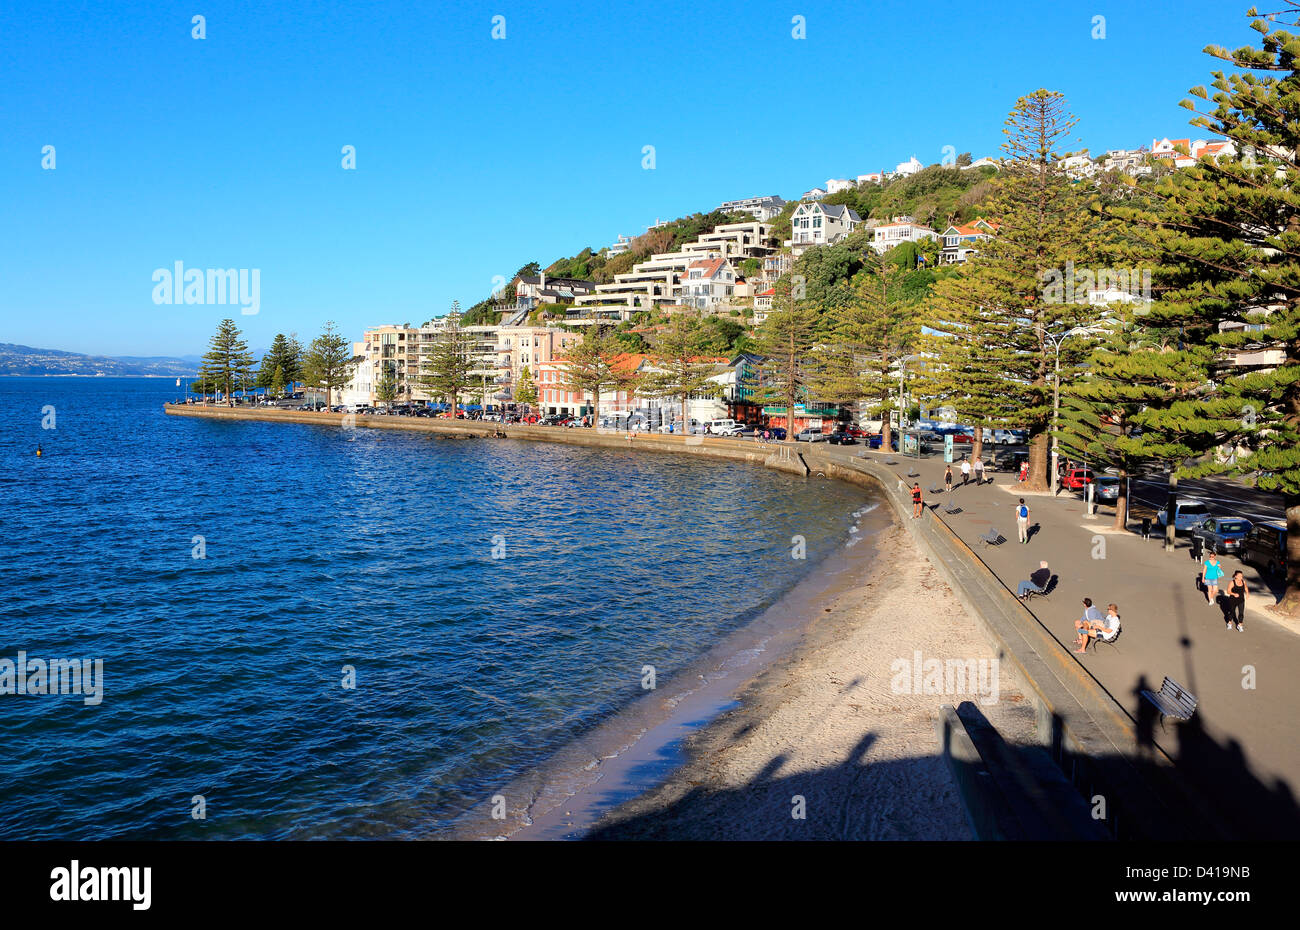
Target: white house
<point>877,177</point>
<point>902,229</point>
<point>1077,166</point>
<point>815,194</point>
<point>909,167</point>
<point>980,163</point>
<point>835,185</point>
<point>820,224</point>
<point>622,245</point>
<point>707,283</point>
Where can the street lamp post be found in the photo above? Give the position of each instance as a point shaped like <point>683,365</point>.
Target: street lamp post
<point>1057,342</point>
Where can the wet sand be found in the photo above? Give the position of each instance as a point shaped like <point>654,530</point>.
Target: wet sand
<point>830,730</point>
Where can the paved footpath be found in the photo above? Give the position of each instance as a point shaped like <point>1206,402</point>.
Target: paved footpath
<point>1248,684</point>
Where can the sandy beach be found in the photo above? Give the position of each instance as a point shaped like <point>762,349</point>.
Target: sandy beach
<point>835,730</point>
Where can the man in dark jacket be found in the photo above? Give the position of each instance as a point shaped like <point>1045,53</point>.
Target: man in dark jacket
<point>1037,581</point>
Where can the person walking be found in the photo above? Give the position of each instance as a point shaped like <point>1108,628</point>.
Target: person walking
<point>947,478</point>
<point>917,504</point>
<point>965,471</point>
<point>1024,471</point>
<point>1022,521</point>
<point>979,471</point>
<point>1211,572</point>
<point>1237,592</point>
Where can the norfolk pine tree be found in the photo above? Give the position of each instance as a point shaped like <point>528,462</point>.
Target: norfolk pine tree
<point>1227,236</point>
<point>785,340</point>
<point>679,369</point>
<point>995,319</point>
<point>446,372</point>
<point>327,360</point>
<point>593,368</point>
<point>227,363</point>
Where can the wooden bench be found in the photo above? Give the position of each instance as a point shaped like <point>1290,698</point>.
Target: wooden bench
<point>992,538</point>
<point>1172,700</point>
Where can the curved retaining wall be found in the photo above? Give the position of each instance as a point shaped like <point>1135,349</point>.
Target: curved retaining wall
<point>1093,738</point>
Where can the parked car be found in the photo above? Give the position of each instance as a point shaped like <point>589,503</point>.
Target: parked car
<point>1076,479</point>
<point>1187,515</point>
<point>578,422</point>
<point>875,440</point>
<point>1265,548</point>
<point>857,432</point>
<point>810,435</point>
<point>1222,535</point>
<point>1008,437</point>
<point>1106,488</point>
<point>842,438</point>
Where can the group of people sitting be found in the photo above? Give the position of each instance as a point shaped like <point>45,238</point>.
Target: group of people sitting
<point>1091,626</point>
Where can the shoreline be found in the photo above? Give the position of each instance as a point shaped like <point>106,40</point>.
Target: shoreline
<point>636,749</point>
<point>831,725</point>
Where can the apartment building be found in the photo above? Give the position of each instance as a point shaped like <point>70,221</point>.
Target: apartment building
<point>520,347</point>
<point>761,208</point>
<point>403,352</point>
<point>735,240</point>
<point>660,280</point>
<point>621,245</point>
<point>539,289</point>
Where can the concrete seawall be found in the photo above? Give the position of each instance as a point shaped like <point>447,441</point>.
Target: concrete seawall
<point>1092,737</point>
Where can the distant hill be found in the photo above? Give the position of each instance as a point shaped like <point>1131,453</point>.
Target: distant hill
<point>25,360</point>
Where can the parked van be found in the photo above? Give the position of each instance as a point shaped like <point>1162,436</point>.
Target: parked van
<point>722,427</point>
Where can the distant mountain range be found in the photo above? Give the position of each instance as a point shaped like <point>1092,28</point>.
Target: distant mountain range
<point>25,360</point>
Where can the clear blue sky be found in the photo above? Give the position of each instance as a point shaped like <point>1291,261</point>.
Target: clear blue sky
<point>474,155</point>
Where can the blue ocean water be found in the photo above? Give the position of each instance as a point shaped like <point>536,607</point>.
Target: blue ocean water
<point>324,549</point>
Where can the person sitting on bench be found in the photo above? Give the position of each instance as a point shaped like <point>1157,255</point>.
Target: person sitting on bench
<point>1037,582</point>
<point>1091,616</point>
<point>1106,630</point>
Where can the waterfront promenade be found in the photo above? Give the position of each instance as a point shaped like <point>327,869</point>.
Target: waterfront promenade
<point>1246,683</point>
<point>1240,748</point>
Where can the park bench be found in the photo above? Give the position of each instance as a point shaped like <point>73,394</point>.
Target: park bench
<point>891,461</point>
<point>935,489</point>
<point>1172,700</point>
<point>1098,641</point>
<point>992,538</point>
<point>950,507</point>
<point>1046,590</point>
<point>912,472</point>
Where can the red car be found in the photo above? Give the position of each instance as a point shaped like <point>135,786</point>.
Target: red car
<point>1077,478</point>
<point>856,432</point>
